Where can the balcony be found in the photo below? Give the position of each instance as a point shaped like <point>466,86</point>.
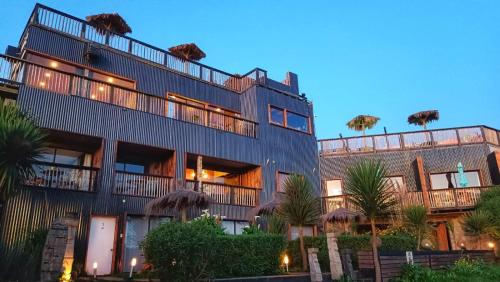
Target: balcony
<point>68,25</point>
<point>66,177</point>
<point>439,200</point>
<point>142,185</point>
<point>228,194</point>
<point>410,140</point>
<point>41,77</point>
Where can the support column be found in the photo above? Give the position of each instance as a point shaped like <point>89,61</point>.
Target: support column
<point>422,180</point>
<point>442,237</point>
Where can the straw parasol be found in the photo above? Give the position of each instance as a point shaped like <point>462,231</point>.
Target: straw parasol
<point>268,208</point>
<point>188,51</point>
<point>362,122</point>
<point>423,117</point>
<point>109,22</point>
<point>341,215</point>
<point>181,200</point>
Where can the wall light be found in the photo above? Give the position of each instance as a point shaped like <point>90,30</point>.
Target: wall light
<point>491,245</point>
<point>47,74</point>
<point>101,88</point>
<point>92,96</point>
<point>94,266</point>
<point>218,109</point>
<point>54,64</point>
<point>132,264</point>
<point>286,261</point>
<point>42,84</point>
<point>110,79</point>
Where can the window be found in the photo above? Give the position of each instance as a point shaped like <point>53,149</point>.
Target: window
<point>111,79</point>
<point>277,116</point>
<point>288,119</point>
<point>214,176</point>
<point>234,227</point>
<point>452,180</point>
<point>333,187</point>
<point>128,167</point>
<point>65,157</point>
<point>397,183</point>
<point>307,230</point>
<point>297,122</point>
<point>281,178</point>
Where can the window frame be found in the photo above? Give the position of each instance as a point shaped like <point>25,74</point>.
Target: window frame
<point>481,183</point>
<point>54,156</point>
<point>285,119</point>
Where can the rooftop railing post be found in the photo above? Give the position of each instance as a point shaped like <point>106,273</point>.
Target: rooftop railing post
<point>483,134</point>
<point>130,41</point>
<point>211,79</point>
<point>83,30</point>
<point>34,18</point>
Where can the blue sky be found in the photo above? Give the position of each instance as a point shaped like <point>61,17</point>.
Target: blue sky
<point>384,58</point>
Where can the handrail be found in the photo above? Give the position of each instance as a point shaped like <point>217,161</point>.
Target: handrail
<point>142,185</point>
<point>81,29</point>
<point>410,140</point>
<point>62,176</point>
<point>39,76</point>
<point>228,194</point>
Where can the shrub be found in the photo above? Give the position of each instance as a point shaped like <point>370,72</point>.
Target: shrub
<point>309,242</point>
<point>199,251</point>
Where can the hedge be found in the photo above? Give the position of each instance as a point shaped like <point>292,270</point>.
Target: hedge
<point>197,251</point>
<point>400,242</point>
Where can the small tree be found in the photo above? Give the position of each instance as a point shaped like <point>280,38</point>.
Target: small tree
<point>477,224</point>
<point>415,220</point>
<point>370,190</point>
<point>300,207</point>
<point>21,142</point>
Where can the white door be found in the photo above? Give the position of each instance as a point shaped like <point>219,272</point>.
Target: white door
<point>101,245</point>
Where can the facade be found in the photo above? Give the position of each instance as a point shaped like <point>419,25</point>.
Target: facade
<point>128,122</point>
<point>423,167</point>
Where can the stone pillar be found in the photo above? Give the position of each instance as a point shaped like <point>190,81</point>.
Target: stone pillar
<point>333,254</point>
<point>54,251</point>
<point>314,269</point>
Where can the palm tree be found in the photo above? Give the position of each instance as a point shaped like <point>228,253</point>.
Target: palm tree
<point>300,207</point>
<point>423,117</point>
<point>370,190</point>
<point>477,224</point>
<point>21,142</point>
<point>415,219</point>
<point>362,123</point>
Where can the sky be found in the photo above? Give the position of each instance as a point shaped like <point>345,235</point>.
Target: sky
<point>383,58</point>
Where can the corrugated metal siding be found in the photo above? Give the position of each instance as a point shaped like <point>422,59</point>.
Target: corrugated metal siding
<point>400,163</point>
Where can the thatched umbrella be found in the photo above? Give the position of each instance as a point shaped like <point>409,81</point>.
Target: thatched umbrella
<point>181,200</point>
<point>188,51</point>
<point>109,22</point>
<point>341,215</point>
<point>268,208</point>
<point>362,122</point>
<point>423,117</point>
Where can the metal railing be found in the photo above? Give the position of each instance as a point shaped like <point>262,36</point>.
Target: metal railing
<point>66,177</point>
<point>142,185</point>
<point>41,77</point>
<point>228,194</point>
<point>49,18</point>
<point>410,140</point>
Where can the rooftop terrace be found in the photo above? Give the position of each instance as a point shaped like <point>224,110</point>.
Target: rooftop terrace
<point>410,140</point>
<point>48,18</point>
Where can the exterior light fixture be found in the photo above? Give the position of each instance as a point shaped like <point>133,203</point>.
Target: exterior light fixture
<point>42,84</point>
<point>491,245</point>
<point>47,74</point>
<point>173,97</point>
<point>101,88</point>
<point>193,174</point>
<point>110,79</point>
<point>286,261</point>
<point>218,109</point>
<point>92,97</point>
<point>132,264</point>
<point>54,64</point>
<point>94,266</point>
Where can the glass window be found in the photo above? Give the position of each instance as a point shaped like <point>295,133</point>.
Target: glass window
<point>397,182</point>
<point>282,177</point>
<point>298,122</point>
<point>453,180</point>
<point>233,227</point>
<point>277,116</point>
<point>112,79</point>
<point>66,157</point>
<point>47,155</point>
<point>333,187</point>
<point>306,230</point>
<point>127,167</point>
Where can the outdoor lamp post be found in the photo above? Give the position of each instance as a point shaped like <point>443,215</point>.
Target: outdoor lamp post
<point>132,264</point>
<point>286,260</point>
<point>94,266</point>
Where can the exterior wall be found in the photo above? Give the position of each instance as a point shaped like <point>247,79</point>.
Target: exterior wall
<point>400,163</point>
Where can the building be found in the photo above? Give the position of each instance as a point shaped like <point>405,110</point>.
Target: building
<point>129,122</point>
<point>423,166</point>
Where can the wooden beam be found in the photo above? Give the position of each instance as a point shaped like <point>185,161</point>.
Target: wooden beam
<point>422,181</point>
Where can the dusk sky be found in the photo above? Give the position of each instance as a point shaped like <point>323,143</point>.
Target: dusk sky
<point>383,58</point>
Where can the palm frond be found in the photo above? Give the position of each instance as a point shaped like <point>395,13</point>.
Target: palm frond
<point>362,122</point>
<point>300,206</point>
<point>478,223</point>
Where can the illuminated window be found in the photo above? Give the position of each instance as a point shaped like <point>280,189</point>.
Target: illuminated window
<point>333,187</point>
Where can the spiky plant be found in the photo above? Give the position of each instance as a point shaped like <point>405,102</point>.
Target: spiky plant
<point>370,190</point>
<point>415,220</point>
<point>21,142</point>
<point>477,224</point>
<point>300,207</point>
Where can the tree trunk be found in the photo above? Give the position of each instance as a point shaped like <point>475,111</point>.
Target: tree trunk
<point>419,241</point>
<point>184,215</point>
<point>376,263</point>
<point>302,249</point>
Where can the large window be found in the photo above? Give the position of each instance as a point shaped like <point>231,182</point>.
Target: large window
<point>333,187</point>
<point>65,157</point>
<point>397,183</point>
<point>288,119</point>
<point>234,227</point>
<point>453,180</point>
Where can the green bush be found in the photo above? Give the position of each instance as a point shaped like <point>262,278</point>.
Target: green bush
<point>199,251</point>
<point>400,242</point>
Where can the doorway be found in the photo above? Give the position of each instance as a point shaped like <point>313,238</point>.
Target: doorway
<point>100,249</point>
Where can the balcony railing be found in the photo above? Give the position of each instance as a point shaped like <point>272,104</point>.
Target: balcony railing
<point>228,194</point>
<point>67,177</point>
<point>142,185</point>
<point>71,26</point>
<point>41,77</point>
<point>410,140</point>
